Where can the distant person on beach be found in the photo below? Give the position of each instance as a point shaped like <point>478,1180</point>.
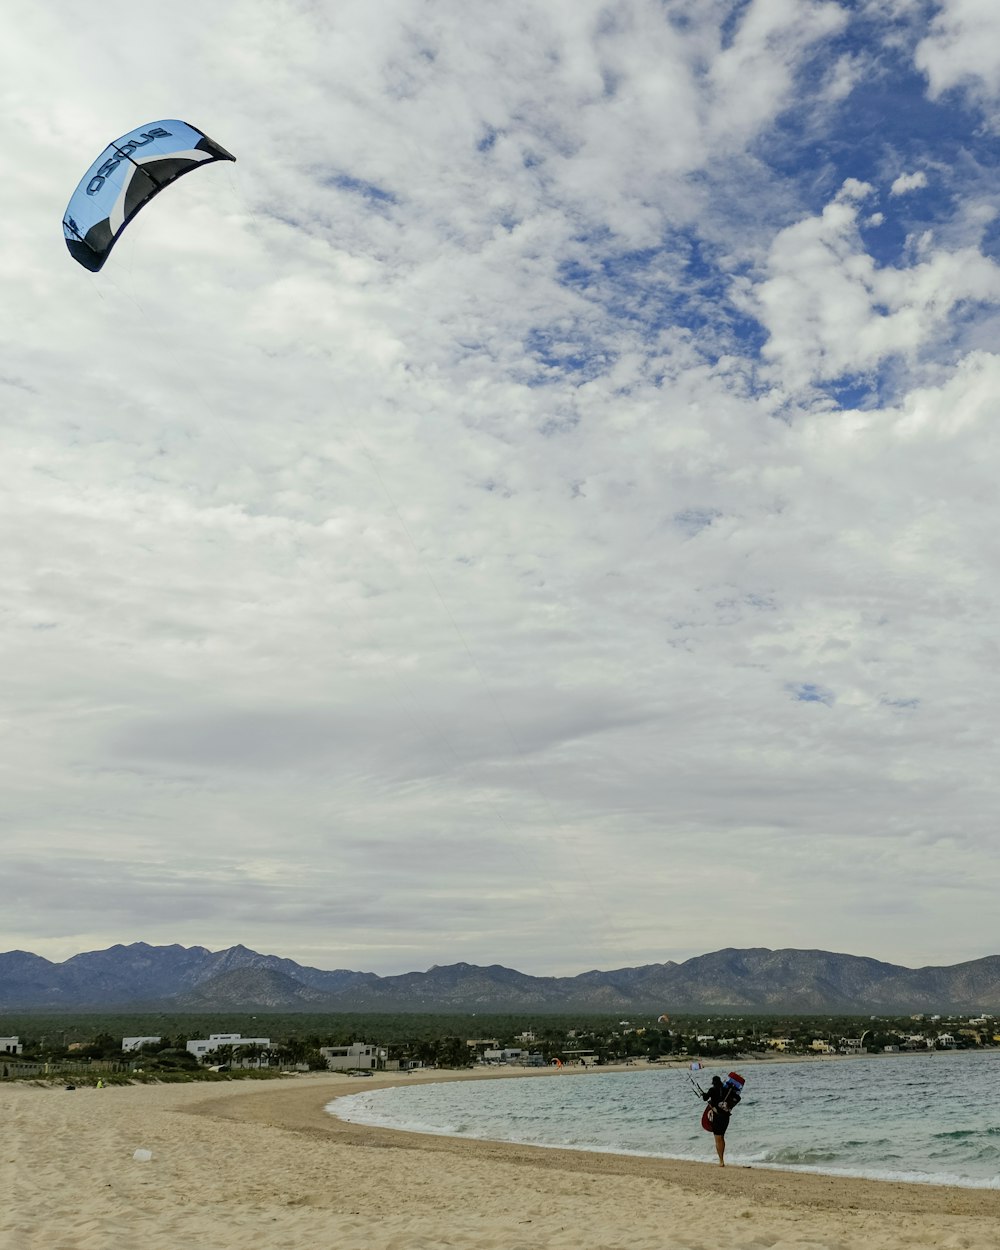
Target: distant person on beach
<point>720,1104</point>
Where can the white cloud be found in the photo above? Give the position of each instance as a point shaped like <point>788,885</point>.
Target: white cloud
<point>752,78</point>
<point>961,48</point>
<point>908,182</point>
<point>856,190</point>
<point>830,311</point>
<point>410,561</point>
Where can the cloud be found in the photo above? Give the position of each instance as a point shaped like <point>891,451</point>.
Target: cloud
<point>525,480</point>
<point>960,49</point>
<point>908,182</point>
<point>832,312</point>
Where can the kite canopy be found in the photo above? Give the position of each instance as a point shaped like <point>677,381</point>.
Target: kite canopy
<point>127,174</point>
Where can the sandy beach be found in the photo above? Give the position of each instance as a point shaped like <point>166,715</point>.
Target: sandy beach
<point>262,1164</point>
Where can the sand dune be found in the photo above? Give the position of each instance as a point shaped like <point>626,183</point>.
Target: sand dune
<point>263,1165</point>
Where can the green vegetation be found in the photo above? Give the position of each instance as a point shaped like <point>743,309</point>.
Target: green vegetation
<point>88,1046</point>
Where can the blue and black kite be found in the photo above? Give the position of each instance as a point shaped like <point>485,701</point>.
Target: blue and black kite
<point>127,174</point>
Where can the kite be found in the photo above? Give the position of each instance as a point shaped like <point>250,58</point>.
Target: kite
<point>127,174</point>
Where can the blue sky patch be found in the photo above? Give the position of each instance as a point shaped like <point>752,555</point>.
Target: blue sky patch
<point>808,692</point>
<point>358,186</point>
<point>693,520</point>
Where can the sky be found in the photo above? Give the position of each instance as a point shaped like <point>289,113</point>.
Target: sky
<point>537,506</point>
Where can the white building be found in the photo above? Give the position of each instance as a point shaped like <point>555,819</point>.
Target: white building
<point>10,1046</point>
<point>510,1055</point>
<point>201,1046</point>
<point>135,1043</point>
<point>357,1055</point>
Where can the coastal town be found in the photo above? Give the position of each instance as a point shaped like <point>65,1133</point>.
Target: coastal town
<point>553,1043</point>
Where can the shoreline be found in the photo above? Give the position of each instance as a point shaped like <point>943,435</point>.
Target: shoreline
<point>938,1180</point>
<point>264,1163</point>
<point>302,1114</point>
<point>845,1173</point>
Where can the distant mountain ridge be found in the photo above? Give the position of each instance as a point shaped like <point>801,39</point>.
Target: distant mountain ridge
<point>139,977</point>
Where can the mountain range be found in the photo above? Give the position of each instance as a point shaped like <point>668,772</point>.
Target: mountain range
<point>139,977</point>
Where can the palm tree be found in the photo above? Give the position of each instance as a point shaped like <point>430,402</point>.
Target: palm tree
<point>252,1051</point>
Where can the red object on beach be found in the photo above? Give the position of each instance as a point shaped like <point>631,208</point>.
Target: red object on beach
<point>706,1120</point>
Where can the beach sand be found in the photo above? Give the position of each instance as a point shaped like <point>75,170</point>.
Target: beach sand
<point>262,1165</point>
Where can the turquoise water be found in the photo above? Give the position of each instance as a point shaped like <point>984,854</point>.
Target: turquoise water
<point>925,1118</point>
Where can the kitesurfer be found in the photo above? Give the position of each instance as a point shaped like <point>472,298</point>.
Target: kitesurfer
<point>721,1099</point>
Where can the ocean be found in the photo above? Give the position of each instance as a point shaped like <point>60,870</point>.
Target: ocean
<point>931,1118</point>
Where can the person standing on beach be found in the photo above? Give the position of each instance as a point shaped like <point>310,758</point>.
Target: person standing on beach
<point>717,1114</point>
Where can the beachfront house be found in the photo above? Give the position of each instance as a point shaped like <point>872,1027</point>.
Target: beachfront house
<point>917,1041</point>
<point>359,1055</point>
<point>137,1043</point>
<point>201,1047</point>
<point>10,1046</point>
<point>586,1058</point>
<point>498,1056</point>
<point>480,1044</point>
